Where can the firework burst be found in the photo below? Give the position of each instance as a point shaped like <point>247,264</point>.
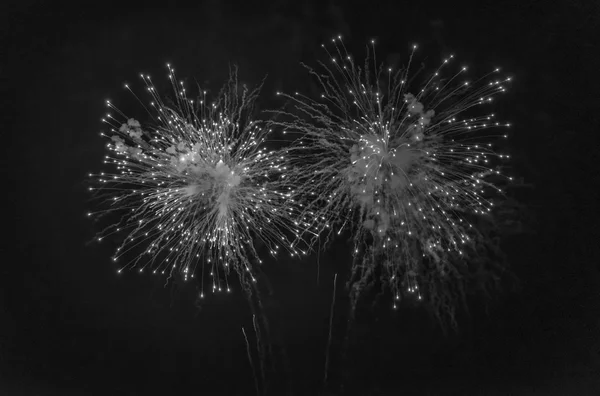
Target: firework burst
<point>197,186</point>
<point>408,169</point>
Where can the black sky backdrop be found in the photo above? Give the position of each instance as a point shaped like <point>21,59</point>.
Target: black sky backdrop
<point>70,326</point>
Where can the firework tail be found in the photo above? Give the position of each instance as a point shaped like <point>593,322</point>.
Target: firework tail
<point>269,344</point>
<point>327,352</point>
<point>251,363</point>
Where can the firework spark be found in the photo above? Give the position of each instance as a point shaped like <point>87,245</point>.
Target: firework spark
<point>199,186</point>
<point>405,168</point>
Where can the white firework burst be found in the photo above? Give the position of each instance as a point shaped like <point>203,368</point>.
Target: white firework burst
<point>406,168</point>
<point>197,186</point>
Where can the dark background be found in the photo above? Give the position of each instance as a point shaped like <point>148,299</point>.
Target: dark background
<point>70,326</point>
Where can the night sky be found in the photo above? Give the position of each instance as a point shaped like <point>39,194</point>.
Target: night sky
<point>69,325</point>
